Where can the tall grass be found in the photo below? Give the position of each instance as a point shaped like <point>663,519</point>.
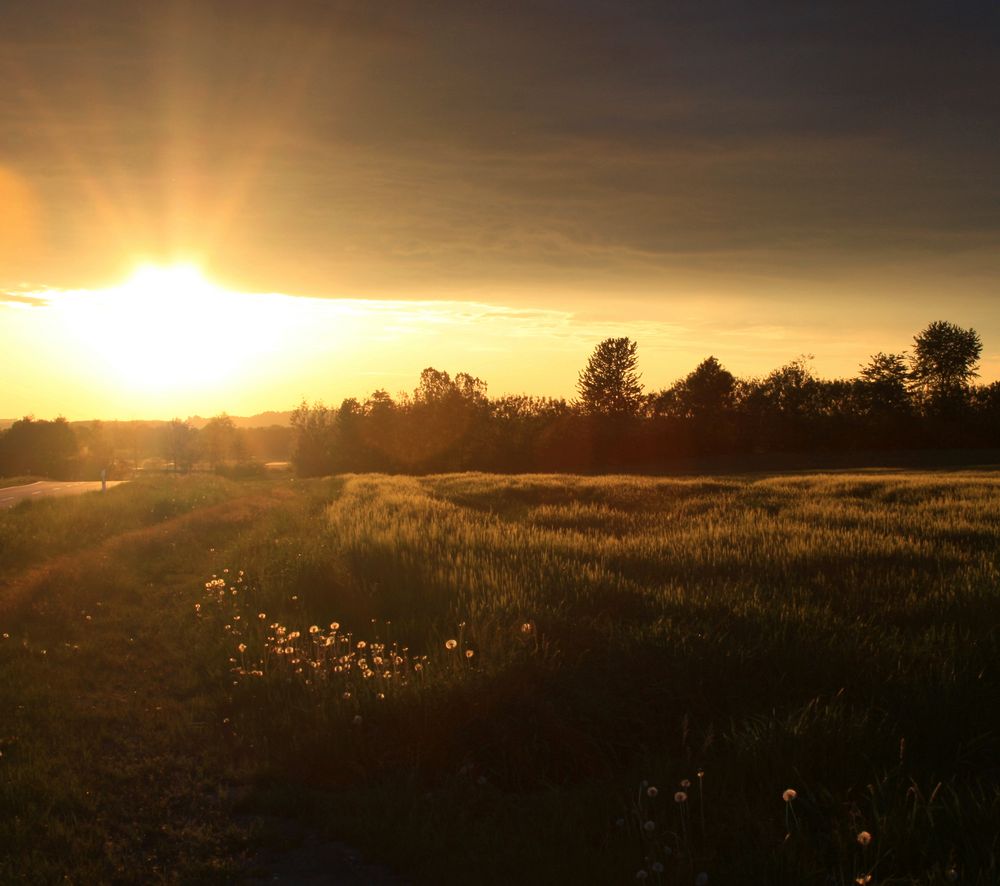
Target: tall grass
<point>771,633</point>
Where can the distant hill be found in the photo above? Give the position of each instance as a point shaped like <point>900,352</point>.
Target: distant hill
<point>261,420</point>
<point>6,423</point>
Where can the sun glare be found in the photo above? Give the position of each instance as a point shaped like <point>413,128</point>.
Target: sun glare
<point>170,328</point>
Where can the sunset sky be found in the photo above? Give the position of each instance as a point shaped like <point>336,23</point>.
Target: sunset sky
<point>370,188</point>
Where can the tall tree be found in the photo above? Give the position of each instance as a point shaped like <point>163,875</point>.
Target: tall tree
<point>945,360</point>
<point>179,442</point>
<point>314,436</point>
<point>220,439</point>
<point>609,384</point>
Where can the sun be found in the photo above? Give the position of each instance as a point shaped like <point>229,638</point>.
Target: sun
<point>169,328</point>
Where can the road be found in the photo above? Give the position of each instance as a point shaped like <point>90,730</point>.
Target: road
<point>11,495</point>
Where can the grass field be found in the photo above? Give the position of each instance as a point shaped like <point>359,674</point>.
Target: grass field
<point>477,679</point>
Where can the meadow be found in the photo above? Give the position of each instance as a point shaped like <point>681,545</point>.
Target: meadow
<point>478,678</point>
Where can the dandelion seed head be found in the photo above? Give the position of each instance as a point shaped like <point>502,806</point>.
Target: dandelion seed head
<point>657,867</point>
<point>789,794</point>
<point>651,791</point>
<point>680,797</point>
<point>451,644</point>
<point>357,720</point>
<point>864,838</point>
<point>685,783</point>
<point>469,653</point>
<point>649,826</point>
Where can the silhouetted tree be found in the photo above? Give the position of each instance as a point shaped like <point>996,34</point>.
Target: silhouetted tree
<point>944,362</point>
<point>609,384</point>
<point>44,448</point>
<point>708,390</point>
<point>314,439</point>
<point>884,383</point>
<point>220,440</point>
<point>179,444</point>
<point>446,421</point>
<point>884,408</point>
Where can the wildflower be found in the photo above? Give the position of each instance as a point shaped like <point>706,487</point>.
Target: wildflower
<point>651,791</point>
<point>334,625</point>
<point>864,838</point>
<point>649,826</point>
<point>361,644</point>
<point>314,629</point>
<point>863,879</point>
<point>242,647</point>
<point>680,797</point>
<point>451,644</point>
<point>469,653</point>
<point>789,795</point>
<point>261,615</point>
<point>418,666</point>
<point>685,783</point>
<point>357,720</point>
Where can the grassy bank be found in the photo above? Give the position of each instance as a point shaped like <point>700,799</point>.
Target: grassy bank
<point>479,679</point>
<point>115,765</point>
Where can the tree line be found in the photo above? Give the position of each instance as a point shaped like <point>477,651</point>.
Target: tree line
<point>922,399</point>
<point>82,450</point>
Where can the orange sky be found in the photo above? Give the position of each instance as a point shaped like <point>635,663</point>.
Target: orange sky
<point>489,188</point>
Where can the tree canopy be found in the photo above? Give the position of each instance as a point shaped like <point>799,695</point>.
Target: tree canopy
<point>609,384</point>
<point>945,360</point>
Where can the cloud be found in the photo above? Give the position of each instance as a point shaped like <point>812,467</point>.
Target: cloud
<point>20,299</point>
